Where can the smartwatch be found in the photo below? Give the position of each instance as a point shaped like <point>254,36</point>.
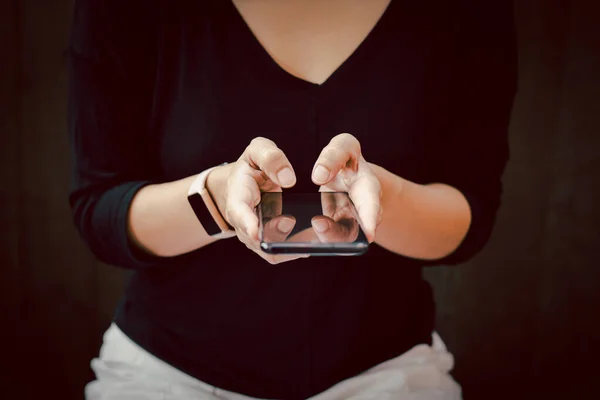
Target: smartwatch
<point>206,210</point>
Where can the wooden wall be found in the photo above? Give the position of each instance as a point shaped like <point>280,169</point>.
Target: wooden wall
<point>521,318</point>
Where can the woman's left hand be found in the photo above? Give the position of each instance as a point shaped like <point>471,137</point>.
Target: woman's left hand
<point>342,168</point>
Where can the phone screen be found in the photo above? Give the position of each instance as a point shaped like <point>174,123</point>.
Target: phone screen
<point>310,223</point>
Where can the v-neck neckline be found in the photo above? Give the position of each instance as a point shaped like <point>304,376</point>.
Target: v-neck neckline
<point>264,57</point>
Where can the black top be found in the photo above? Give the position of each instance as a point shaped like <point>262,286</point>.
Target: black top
<point>161,90</point>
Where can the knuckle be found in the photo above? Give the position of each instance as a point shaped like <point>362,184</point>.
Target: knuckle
<point>334,153</point>
<point>347,137</point>
<point>261,141</point>
<point>255,146</point>
<point>271,155</point>
<point>350,142</point>
<point>256,140</point>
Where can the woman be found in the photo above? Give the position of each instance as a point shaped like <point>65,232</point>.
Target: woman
<point>404,105</point>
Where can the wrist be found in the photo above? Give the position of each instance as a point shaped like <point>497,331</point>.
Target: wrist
<point>216,184</point>
<point>393,187</point>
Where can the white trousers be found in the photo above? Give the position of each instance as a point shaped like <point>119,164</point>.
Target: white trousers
<point>125,371</point>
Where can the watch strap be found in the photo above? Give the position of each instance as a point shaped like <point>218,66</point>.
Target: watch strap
<point>205,208</point>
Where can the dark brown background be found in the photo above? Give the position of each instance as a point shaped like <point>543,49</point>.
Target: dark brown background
<point>521,318</point>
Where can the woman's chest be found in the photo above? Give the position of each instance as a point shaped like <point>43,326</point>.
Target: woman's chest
<point>310,39</point>
<point>216,93</point>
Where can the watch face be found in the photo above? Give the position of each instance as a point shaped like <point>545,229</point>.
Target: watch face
<point>203,215</point>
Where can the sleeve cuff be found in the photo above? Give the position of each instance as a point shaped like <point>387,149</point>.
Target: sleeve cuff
<point>476,237</point>
<point>131,256</point>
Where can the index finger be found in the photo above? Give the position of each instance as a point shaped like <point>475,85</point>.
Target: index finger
<point>264,155</point>
<point>341,152</point>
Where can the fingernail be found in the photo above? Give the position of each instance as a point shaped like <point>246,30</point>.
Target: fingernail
<point>320,225</point>
<point>321,174</point>
<point>285,225</point>
<point>286,177</point>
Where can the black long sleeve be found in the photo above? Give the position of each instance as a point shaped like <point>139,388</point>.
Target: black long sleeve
<point>483,86</point>
<point>111,65</point>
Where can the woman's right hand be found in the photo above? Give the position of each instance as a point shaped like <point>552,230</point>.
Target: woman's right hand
<point>237,187</point>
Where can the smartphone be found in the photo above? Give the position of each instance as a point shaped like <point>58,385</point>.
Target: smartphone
<point>318,224</point>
